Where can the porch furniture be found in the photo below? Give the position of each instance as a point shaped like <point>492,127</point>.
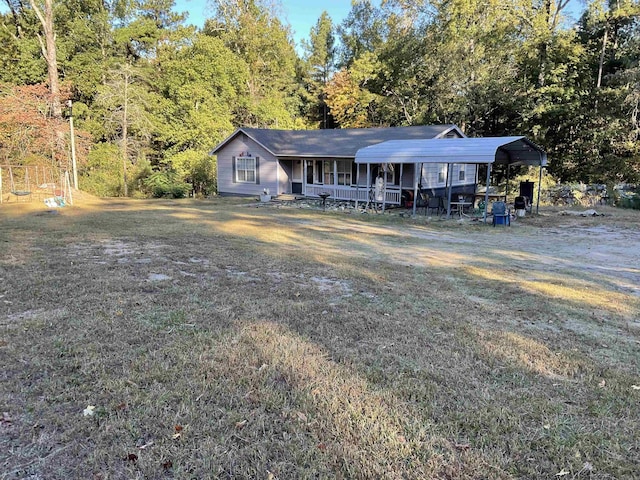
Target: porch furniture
<point>436,203</point>
<point>521,206</point>
<point>422,202</point>
<point>324,196</point>
<point>501,216</point>
<point>459,207</point>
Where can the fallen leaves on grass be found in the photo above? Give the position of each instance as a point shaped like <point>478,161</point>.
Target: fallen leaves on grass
<point>562,473</point>
<point>89,411</point>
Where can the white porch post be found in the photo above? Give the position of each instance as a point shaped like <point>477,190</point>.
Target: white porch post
<point>357,184</point>
<point>304,178</point>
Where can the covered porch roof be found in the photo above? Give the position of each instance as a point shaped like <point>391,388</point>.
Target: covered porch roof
<point>517,150</point>
<point>487,150</point>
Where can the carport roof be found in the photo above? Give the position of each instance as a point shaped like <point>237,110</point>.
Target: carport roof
<point>500,150</point>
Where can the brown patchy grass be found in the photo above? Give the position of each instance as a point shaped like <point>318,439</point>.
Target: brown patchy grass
<point>218,340</point>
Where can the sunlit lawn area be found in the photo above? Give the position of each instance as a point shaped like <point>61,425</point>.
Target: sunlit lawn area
<point>215,339</point>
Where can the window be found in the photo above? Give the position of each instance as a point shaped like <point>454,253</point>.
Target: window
<point>328,173</point>
<point>246,169</point>
<point>310,171</point>
<point>393,174</point>
<point>461,173</point>
<point>344,172</point>
<point>442,173</point>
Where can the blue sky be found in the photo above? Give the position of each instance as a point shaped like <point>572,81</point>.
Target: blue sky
<point>303,14</point>
<point>299,13</point>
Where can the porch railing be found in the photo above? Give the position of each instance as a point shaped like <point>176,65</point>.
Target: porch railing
<point>339,192</point>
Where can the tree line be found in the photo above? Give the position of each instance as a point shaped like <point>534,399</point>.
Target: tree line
<point>152,95</point>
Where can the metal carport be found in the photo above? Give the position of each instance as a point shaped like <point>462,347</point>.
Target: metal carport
<point>516,150</point>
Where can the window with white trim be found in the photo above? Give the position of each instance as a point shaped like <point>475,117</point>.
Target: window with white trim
<point>246,169</point>
<point>344,172</point>
<point>461,172</point>
<point>328,172</point>
<point>393,174</point>
<point>442,173</point>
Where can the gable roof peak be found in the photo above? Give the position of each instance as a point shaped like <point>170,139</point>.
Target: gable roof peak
<point>340,143</point>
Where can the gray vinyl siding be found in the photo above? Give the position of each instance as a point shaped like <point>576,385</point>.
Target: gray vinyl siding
<point>267,168</point>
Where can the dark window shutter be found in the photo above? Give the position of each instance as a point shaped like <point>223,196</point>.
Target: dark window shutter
<point>258,170</point>
<point>233,171</point>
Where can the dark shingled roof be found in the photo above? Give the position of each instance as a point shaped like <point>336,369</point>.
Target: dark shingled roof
<point>333,143</point>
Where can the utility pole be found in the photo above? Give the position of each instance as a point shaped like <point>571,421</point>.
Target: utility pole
<point>73,145</point>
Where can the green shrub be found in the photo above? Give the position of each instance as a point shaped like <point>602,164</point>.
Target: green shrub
<point>198,168</point>
<point>102,175</point>
<point>166,184</point>
<point>629,200</point>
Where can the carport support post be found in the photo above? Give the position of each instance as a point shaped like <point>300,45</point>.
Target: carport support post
<point>384,186</point>
<point>368,185</point>
<point>416,179</point>
<point>539,189</point>
<point>486,193</point>
<point>449,183</point>
<point>357,184</point>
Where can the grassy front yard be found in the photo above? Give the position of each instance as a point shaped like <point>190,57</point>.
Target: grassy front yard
<point>219,340</point>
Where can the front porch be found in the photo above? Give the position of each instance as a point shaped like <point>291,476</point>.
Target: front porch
<point>344,180</point>
<point>352,193</point>
<point>391,184</point>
